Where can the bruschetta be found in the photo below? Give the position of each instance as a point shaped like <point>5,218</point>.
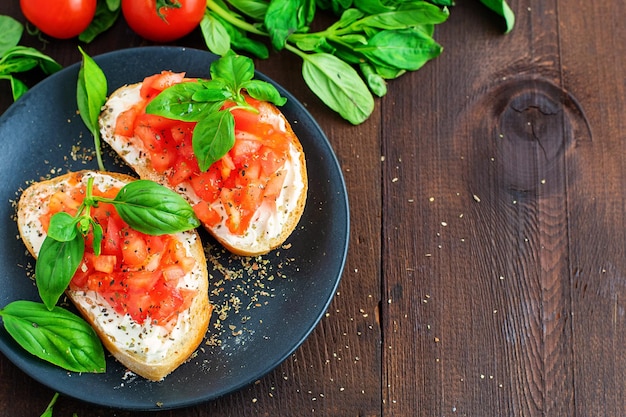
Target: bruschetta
<point>250,200</point>
<point>146,296</point>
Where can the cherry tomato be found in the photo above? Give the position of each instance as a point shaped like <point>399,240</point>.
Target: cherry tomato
<point>62,19</point>
<point>143,17</point>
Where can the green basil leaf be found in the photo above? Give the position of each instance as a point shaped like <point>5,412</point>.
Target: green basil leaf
<point>212,91</point>
<point>113,4</point>
<point>177,102</point>
<point>373,6</point>
<point>375,82</point>
<point>11,31</point>
<point>406,49</point>
<point>348,17</point>
<point>503,9</point>
<point>106,15</point>
<point>97,237</point>
<point>264,91</point>
<point>56,335</point>
<point>153,209</point>
<point>18,88</point>
<point>13,64</point>
<point>240,41</point>
<point>255,9</point>
<point>233,69</point>
<point>284,17</point>
<point>56,265</point>
<point>314,43</point>
<point>339,86</point>
<point>62,227</point>
<point>402,19</point>
<point>215,35</point>
<point>91,94</point>
<point>213,137</point>
<point>46,63</point>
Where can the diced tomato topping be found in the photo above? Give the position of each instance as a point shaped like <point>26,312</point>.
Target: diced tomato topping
<point>134,248</point>
<point>207,215</point>
<point>125,124</point>
<point>182,172</point>
<point>137,274</point>
<point>156,83</point>
<point>104,263</point>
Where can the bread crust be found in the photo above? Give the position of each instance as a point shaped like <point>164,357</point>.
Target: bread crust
<point>134,153</point>
<point>33,202</point>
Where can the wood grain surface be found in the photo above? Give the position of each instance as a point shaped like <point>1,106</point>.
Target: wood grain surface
<point>486,273</point>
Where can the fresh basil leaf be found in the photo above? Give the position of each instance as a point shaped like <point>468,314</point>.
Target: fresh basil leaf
<point>348,17</point>
<point>214,91</point>
<point>375,82</point>
<point>177,102</point>
<point>113,4</point>
<point>11,31</point>
<point>13,64</point>
<point>402,19</point>
<point>97,237</point>
<point>339,86</point>
<point>443,2</point>
<point>106,15</point>
<point>284,17</point>
<point>62,227</point>
<point>91,94</point>
<point>18,88</point>
<point>54,335</point>
<point>215,35</point>
<point>255,9</point>
<point>502,8</point>
<point>241,42</point>
<point>406,49</point>
<point>46,63</point>
<point>372,6</point>
<point>233,69</point>
<point>213,137</point>
<point>314,43</point>
<point>56,265</point>
<point>264,91</point>
<point>153,209</point>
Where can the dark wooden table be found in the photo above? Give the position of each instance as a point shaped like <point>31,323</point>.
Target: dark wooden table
<point>486,274</point>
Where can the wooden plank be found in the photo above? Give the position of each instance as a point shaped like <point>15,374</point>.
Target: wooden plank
<point>479,294</point>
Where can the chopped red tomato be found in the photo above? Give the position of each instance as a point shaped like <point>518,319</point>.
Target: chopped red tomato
<point>241,180</point>
<point>136,273</point>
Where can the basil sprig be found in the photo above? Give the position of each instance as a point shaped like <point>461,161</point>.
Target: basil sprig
<point>57,336</point>
<point>202,101</point>
<point>146,206</point>
<point>15,58</point>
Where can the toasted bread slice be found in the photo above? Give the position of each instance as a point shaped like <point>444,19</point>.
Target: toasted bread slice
<point>272,223</point>
<point>149,349</point>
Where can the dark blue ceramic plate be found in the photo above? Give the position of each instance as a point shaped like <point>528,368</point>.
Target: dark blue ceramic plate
<point>278,306</point>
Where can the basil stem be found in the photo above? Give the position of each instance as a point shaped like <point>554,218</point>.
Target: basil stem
<point>91,94</point>
<point>15,58</point>
<point>56,335</point>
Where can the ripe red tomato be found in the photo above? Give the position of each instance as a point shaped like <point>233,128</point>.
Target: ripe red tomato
<point>62,19</point>
<point>142,16</point>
